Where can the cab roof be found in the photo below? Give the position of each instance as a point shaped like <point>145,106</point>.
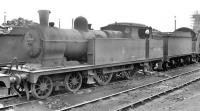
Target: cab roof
<point>126,24</point>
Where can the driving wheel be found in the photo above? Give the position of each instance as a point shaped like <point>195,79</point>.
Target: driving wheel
<point>73,82</point>
<point>42,88</point>
<point>103,78</point>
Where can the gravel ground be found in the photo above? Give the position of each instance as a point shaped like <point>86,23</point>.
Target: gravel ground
<point>134,96</point>
<point>185,99</point>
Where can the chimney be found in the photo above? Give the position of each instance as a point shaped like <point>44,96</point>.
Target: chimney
<point>44,17</point>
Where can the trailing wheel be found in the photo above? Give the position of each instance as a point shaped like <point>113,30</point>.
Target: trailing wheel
<point>73,82</point>
<point>130,74</point>
<point>42,88</point>
<point>103,78</point>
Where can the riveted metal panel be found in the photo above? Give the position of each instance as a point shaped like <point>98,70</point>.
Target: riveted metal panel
<point>155,48</point>
<point>109,51</point>
<point>179,46</point>
<point>90,52</point>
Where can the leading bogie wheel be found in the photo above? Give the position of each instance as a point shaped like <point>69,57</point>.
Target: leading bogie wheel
<point>42,88</point>
<point>73,81</point>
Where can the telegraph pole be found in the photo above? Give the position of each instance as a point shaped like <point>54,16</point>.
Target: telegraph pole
<point>59,23</point>
<point>4,17</point>
<point>175,22</point>
<point>72,23</point>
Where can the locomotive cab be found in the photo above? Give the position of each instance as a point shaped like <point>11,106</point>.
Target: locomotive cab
<point>130,30</point>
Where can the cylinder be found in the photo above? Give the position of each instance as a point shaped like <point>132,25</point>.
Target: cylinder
<point>44,17</point>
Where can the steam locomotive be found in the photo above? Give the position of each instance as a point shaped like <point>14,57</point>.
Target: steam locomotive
<point>38,57</point>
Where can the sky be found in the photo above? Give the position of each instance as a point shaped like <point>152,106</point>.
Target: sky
<point>158,14</point>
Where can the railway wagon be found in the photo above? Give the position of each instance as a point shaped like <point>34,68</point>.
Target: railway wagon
<point>68,57</point>
<point>180,46</point>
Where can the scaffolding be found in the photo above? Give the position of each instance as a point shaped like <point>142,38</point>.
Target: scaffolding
<point>196,22</point>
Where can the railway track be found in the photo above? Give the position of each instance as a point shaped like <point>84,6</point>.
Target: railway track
<point>21,104</point>
<point>140,100</point>
<point>24,101</point>
<point>134,104</point>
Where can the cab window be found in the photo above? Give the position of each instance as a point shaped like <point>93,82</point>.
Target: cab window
<point>143,33</point>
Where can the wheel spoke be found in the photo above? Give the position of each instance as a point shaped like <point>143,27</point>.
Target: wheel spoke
<point>42,93</point>
<point>37,88</point>
<point>39,92</point>
<point>70,84</point>
<point>37,85</point>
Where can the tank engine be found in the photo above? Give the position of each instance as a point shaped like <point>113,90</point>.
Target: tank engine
<point>40,47</point>
<point>44,57</point>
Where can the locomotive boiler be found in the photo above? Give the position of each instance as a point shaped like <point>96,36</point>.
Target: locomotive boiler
<point>51,46</point>
<point>40,57</point>
<point>47,45</point>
